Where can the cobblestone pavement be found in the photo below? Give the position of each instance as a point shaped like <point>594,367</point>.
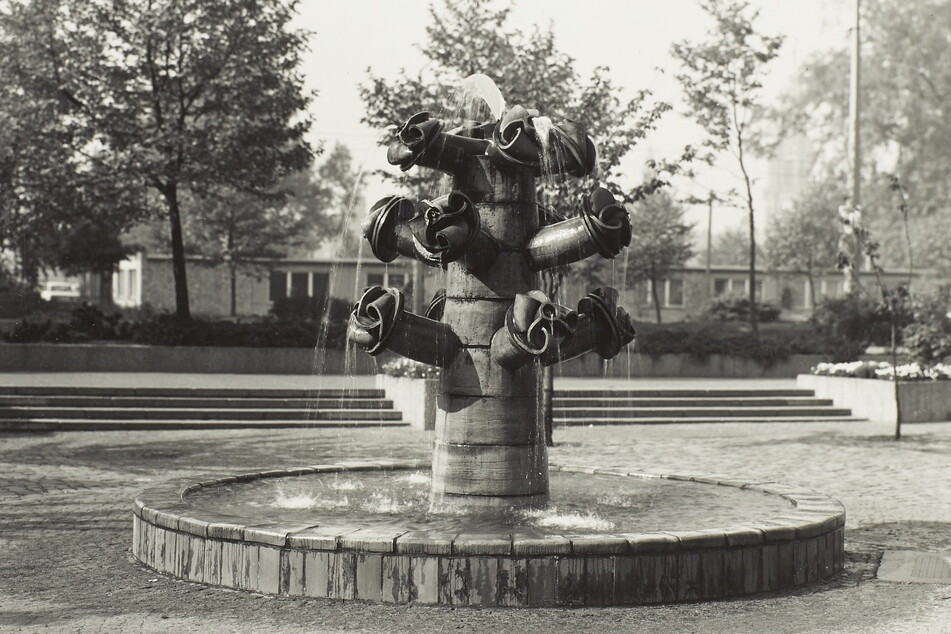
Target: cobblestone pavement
<point>65,528</point>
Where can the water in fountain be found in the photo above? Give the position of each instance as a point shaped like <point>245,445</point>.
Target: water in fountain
<point>581,503</point>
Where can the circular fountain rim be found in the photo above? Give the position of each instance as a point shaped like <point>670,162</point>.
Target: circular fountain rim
<point>803,545</point>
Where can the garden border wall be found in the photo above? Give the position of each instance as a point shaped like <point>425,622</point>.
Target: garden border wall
<point>921,401</point>
<point>108,357</point>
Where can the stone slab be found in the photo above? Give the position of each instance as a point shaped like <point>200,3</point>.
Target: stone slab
<point>910,566</point>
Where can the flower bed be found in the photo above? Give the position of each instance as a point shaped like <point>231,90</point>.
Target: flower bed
<point>884,370</point>
<point>869,391</point>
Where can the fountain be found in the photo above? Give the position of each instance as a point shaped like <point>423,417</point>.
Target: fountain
<point>484,536</point>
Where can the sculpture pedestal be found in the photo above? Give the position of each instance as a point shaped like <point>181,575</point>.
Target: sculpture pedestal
<point>490,447</point>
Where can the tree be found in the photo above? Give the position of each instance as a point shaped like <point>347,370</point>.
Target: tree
<point>172,97</point>
<point>721,81</point>
<point>470,37</point>
<point>661,241</point>
<point>729,248</point>
<point>340,195</point>
<point>242,231</point>
<point>906,131</point>
<point>805,237</point>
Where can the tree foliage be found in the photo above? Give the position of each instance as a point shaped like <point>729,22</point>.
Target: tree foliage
<point>805,236</point>
<point>721,79</point>
<point>905,127</point>
<point>474,36</point>
<point>661,241</point>
<point>166,98</point>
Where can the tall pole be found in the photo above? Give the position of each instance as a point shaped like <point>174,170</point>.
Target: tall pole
<point>709,246</point>
<point>855,150</point>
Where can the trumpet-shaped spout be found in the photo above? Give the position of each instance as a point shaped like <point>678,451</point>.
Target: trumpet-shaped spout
<point>602,227</point>
<point>602,326</point>
<point>422,141</point>
<point>563,148</point>
<point>533,326</point>
<point>386,228</point>
<point>379,322</point>
<point>437,306</point>
<point>448,229</point>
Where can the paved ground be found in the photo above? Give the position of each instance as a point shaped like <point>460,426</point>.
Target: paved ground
<point>65,527</point>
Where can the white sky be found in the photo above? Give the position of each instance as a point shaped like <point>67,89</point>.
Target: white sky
<point>631,37</point>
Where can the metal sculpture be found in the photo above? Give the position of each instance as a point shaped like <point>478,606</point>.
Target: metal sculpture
<point>490,330</point>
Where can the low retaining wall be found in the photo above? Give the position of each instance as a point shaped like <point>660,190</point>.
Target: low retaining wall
<point>49,357</point>
<point>52,357</point>
<point>921,401</point>
<point>636,365</point>
<point>415,398</point>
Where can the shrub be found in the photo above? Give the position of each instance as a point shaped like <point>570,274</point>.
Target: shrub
<point>737,308</point>
<point>928,334</point>
<point>851,324</point>
<point>704,339</point>
<point>88,323</point>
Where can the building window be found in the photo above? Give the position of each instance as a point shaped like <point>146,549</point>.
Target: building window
<point>133,284</point>
<point>721,286</point>
<point>376,279</point>
<point>674,292</point>
<point>300,284</point>
<point>396,280</point>
<point>831,288</point>
<point>277,288</point>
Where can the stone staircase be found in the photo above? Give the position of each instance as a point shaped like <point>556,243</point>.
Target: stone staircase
<point>659,406</point>
<point>87,408</point>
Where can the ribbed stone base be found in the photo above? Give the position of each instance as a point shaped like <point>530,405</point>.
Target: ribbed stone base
<point>803,546</point>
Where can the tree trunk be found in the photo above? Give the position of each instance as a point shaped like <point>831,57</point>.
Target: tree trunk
<point>656,299</point>
<point>233,275</point>
<point>548,398</point>
<point>754,314</point>
<point>106,304</point>
<point>178,253</point>
<point>810,279</point>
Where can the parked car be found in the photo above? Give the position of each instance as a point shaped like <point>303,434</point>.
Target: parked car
<point>60,292</point>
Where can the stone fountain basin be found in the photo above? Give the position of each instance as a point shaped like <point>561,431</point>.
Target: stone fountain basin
<point>803,545</point>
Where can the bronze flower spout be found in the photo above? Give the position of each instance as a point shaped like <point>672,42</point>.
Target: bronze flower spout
<point>533,325</point>
<point>521,141</point>
<point>602,326</point>
<point>448,229</point>
<point>603,226</point>
<point>380,322</point>
<point>422,141</point>
<point>386,228</point>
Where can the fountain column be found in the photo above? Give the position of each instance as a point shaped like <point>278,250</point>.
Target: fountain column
<point>489,445</point>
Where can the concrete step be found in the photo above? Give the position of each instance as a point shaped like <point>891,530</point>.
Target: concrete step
<point>54,424</point>
<point>198,413</point>
<point>188,392</point>
<point>660,420</point>
<point>695,412</point>
<point>193,402</point>
<point>682,393</point>
<point>691,401</point>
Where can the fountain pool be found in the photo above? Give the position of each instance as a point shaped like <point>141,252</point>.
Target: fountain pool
<point>672,537</point>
